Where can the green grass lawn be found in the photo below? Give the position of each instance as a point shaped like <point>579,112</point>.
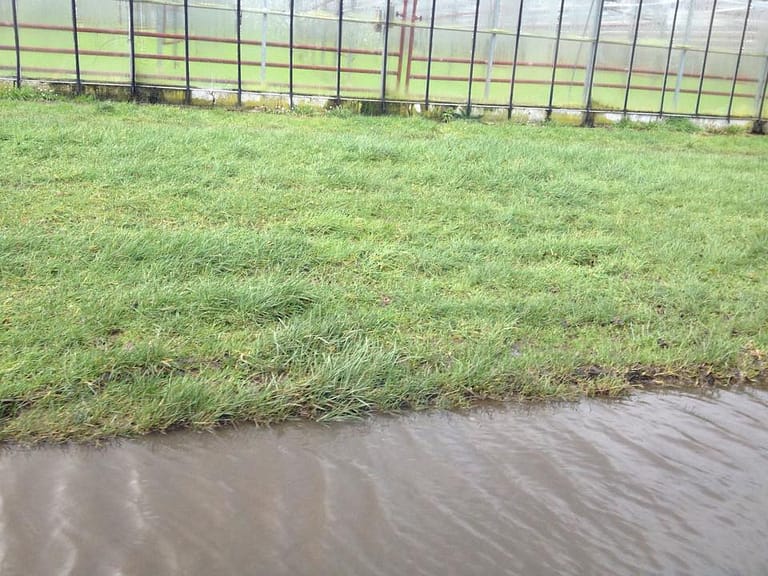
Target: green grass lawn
<point>165,267</point>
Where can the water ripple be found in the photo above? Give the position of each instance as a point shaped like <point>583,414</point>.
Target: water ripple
<point>658,484</point>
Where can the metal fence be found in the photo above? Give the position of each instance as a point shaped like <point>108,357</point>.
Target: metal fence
<point>705,58</point>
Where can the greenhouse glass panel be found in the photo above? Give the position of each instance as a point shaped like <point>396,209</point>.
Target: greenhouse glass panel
<point>46,40</point>
<point>265,33</point>
<point>409,49</point>
<point>654,33</point>
<point>687,58</point>
<point>362,46</point>
<point>574,54</point>
<point>213,44</point>
<point>159,43</point>
<point>494,53</point>
<point>104,42</point>
<point>316,31</point>
<point>7,42</point>
<point>536,53</point>
<point>451,52</point>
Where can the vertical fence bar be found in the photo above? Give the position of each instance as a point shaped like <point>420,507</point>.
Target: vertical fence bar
<point>338,52</point>
<point>132,46</point>
<point>683,55</point>
<point>385,60</point>
<point>738,60</point>
<point>492,48</point>
<point>292,10</point>
<point>17,47</point>
<point>239,33</point>
<point>762,99</point>
<point>76,39</point>
<point>264,28</point>
<point>411,35</point>
<point>514,60</point>
<point>429,52</point>
<point>706,55</point>
<point>669,57</point>
<point>472,58</point>
<point>589,80</point>
<point>632,56</point>
<point>760,103</point>
<point>187,89</point>
<point>164,28</point>
<point>554,60</point>
<point>402,15</point>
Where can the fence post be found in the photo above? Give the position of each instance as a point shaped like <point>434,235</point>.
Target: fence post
<point>264,29</point>
<point>669,57</point>
<point>555,58</point>
<point>738,59</point>
<point>239,32</point>
<point>338,52</point>
<point>17,47</point>
<point>187,89</point>
<point>78,85</point>
<point>403,17</point>
<point>492,47</point>
<point>429,52</point>
<point>163,29</point>
<point>292,9</point>
<point>385,60</point>
<point>590,75</point>
<point>472,58</point>
<point>132,46</point>
<point>706,55</point>
<point>632,56</point>
<point>514,60</point>
<point>759,125</point>
<point>683,55</point>
<point>411,34</point>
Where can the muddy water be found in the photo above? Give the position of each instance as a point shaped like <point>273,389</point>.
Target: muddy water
<point>659,484</point>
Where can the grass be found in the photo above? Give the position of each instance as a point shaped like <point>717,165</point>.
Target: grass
<point>165,267</point>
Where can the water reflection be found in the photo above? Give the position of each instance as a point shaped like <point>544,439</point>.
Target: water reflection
<point>670,483</point>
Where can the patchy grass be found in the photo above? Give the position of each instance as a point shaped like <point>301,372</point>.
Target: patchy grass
<point>164,267</point>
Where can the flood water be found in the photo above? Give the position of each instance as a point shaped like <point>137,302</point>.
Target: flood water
<point>657,484</point>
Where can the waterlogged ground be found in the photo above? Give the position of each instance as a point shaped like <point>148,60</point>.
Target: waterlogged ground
<point>656,484</point>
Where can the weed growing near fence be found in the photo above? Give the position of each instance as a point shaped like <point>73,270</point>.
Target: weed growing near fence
<point>164,267</point>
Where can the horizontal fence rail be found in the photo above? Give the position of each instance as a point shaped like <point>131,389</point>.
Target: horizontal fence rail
<point>698,58</point>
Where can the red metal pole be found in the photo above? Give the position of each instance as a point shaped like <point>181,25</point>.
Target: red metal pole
<point>409,61</point>
<point>403,16</point>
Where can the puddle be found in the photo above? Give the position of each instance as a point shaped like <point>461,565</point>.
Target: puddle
<point>658,484</point>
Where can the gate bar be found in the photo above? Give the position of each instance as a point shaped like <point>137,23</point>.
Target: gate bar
<point>16,43</point>
<point>75,35</point>
<point>632,56</point>
<point>429,54</point>
<point>239,53</point>
<point>514,60</point>
<point>132,46</point>
<point>738,59</point>
<point>338,52</point>
<point>290,52</point>
<point>187,90</point>
<point>411,35</point>
<point>669,57</point>
<point>554,60</point>
<point>706,54</point>
<point>593,62</point>
<point>385,59</point>
<point>472,61</point>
